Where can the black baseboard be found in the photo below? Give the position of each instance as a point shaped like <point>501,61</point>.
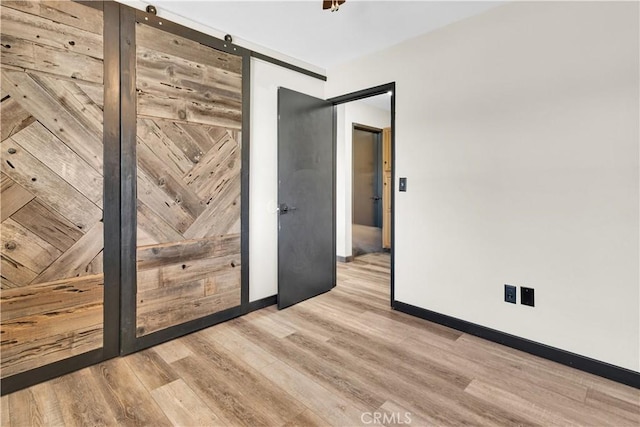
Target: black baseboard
<point>262,303</point>
<point>344,259</point>
<point>583,363</point>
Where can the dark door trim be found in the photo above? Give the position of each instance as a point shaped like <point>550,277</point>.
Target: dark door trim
<point>366,93</point>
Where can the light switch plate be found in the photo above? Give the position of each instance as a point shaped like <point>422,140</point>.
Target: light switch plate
<point>403,184</point>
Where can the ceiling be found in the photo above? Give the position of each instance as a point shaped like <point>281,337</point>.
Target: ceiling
<point>302,30</point>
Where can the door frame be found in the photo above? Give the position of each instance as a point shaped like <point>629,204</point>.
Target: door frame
<point>366,93</point>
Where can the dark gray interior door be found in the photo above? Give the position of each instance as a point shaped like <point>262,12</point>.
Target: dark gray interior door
<point>306,182</point>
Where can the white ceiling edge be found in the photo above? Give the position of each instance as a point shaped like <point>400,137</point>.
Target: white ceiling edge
<point>178,19</point>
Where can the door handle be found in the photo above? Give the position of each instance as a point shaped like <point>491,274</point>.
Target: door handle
<point>375,199</point>
<point>284,208</point>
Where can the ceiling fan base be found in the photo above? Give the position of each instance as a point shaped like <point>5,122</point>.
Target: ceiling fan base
<point>332,4</point>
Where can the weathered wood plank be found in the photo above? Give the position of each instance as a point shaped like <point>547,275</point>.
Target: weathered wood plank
<point>71,97</point>
<point>207,269</point>
<point>17,52</point>
<point>175,133</point>
<point>52,190</point>
<point>36,57</point>
<point>220,216</point>
<point>162,297</point>
<point>47,32</point>
<point>155,227</point>
<point>13,118</point>
<point>52,152</point>
<point>168,208</point>
<point>188,250</point>
<point>223,281</point>
<point>94,92</point>
<point>163,74</point>
<point>217,163</point>
<point>49,225</point>
<point>52,296</point>
<point>56,323</point>
<point>179,110</point>
<point>161,41</point>
<point>30,342</point>
<point>14,274</point>
<point>184,311</point>
<point>24,247</point>
<point>206,137</point>
<point>168,181</point>
<point>96,266</point>
<point>54,115</point>
<point>12,196</point>
<point>145,239</point>
<point>76,260</point>
<point>172,148</point>
<point>183,407</point>
<point>73,14</point>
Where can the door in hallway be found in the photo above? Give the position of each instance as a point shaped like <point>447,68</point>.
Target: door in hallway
<point>367,183</point>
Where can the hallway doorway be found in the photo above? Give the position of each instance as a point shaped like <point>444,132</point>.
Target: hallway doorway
<point>367,190</point>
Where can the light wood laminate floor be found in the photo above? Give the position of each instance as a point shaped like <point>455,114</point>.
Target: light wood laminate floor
<point>337,359</point>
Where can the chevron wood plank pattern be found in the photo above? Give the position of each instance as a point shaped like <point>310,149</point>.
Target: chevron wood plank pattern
<point>189,178</point>
<point>312,365</point>
<point>51,193</point>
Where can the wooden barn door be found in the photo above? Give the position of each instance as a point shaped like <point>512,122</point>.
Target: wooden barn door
<point>51,194</point>
<point>188,98</point>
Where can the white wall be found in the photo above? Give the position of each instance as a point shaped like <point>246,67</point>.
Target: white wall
<point>353,112</point>
<point>263,170</point>
<point>518,131</point>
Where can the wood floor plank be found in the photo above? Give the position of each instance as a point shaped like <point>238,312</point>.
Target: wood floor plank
<point>151,369</point>
<point>525,408</point>
<point>5,420</point>
<point>604,402</point>
<point>183,407</point>
<point>244,349</point>
<point>81,403</point>
<point>276,406</point>
<point>329,375</point>
<point>126,396</point>
<point>172,351</point>
<point>308,419</point>
<point>337,410</point>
